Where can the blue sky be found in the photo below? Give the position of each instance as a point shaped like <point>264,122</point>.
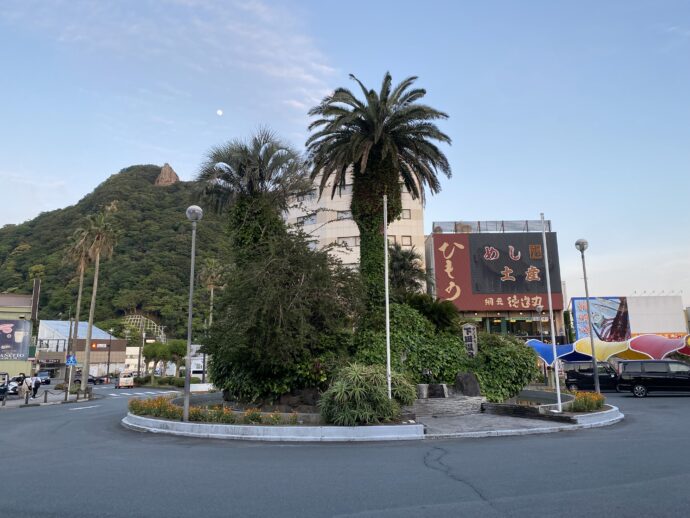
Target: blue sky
<point>577,109</point>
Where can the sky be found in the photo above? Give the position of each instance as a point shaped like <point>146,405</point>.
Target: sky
<point>579,110</point>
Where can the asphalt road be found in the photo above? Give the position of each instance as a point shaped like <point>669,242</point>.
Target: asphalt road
<point>639,467</point>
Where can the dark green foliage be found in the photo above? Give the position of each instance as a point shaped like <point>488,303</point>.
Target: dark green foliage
<point>381,140</point>
<point>359,395</point>
<point>282,321</point>
<point>405,272</point>
<point>416,348</point>
<point>504,366</point>
<point>150,269</point>
<point>442,313</point>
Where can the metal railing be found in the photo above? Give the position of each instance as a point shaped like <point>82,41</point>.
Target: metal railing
<point>476,227</point>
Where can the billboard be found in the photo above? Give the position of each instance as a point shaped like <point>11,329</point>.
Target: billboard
<point>496,271</point>
<point>15,337</point>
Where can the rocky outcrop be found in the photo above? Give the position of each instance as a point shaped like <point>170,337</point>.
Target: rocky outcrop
<point>168,176</point>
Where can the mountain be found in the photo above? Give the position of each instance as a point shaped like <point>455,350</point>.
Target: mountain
<point>149,270</point>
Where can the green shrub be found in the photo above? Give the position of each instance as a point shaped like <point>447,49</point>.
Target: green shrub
<point>142,380</point>
<point>252,416</point>
<point>416,348</point>
<point>503,366</point>
<point>274,418</point>
<point>359,395</point>
<point>60,386</point>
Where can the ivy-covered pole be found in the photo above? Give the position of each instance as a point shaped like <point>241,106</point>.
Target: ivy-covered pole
<point>553,328</point>
<point>385,276</point>
<point>194,214</point>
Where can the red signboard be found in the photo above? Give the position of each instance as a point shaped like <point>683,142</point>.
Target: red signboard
<point>495,272</point>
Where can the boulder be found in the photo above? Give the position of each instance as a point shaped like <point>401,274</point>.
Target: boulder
<point>467,384</point>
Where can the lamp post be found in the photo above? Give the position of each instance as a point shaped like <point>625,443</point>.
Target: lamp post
<point>581,245</point>
<point>194,214</point>
<point>110,346</point>
<point>143,341</point>
<point>540,309</point>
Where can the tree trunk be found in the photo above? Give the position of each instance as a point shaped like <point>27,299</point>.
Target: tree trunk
<point>75,331</point>
<point>380,178</point>
<point>89,328</point>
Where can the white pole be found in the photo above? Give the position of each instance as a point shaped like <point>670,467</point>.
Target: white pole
<point>388,323</point>
<point>553,327</point>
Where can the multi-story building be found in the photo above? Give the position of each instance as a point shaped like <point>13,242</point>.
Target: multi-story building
<point>329,220</point>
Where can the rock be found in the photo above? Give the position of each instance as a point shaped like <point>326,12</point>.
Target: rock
<point>168,176</point>
<point>438,390</point>
<point>466,383</point>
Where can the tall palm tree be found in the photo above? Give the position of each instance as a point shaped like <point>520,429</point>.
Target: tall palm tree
<point>211,277</point>
<point>405,272</point>
<point>78,253</point>
<point>101,239</point>
<point>383,140</point>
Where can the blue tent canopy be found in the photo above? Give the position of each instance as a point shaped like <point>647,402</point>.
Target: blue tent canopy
<point>564,352</point>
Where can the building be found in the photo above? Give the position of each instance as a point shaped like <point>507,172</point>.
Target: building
<point>329,220</point>
<point>494,272</point>
<point>52,345</point>
<point>616,319</point>
<point>17,313</point>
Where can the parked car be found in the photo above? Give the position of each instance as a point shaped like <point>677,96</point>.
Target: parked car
<point>45,377</point>
<point>644,376</point>
<point>95,381</point>
<point>578,376</point>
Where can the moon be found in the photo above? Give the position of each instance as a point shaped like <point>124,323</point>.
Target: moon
<point>219,113</point>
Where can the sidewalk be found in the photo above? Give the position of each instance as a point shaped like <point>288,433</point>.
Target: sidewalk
<point>54,398</point>
<point>491,425</point>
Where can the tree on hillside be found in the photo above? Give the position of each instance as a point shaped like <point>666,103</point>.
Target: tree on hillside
<point>100,240</point>
<point>211,277</point>
<point>405,271</point>
<point>383,140</point>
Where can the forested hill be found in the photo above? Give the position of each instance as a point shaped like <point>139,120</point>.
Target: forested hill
<point>149,270</point>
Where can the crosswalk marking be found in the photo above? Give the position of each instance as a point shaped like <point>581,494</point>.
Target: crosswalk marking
<point>114,395</point>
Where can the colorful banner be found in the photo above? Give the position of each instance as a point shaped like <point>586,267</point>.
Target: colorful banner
<point>610,318</point>
<point>15,337</point>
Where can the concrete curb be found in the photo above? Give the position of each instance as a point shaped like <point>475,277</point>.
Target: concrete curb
<point>52,403</point>
<point>595,420</point>
<point>406,432</point>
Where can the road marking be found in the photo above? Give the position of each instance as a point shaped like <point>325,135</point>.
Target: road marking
<point>85,407</point>
<point>139,393</point>
<point>114,395</point>
<point>152,392</point>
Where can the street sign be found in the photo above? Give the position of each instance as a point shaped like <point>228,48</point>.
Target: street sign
<point>71,361</point>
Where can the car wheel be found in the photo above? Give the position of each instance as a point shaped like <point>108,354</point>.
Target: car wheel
<point>639,391</point>
<point>618,388</point>
<point>572,388</point>
<point>77,382</point>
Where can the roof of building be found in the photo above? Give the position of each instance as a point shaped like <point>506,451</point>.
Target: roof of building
<point>62,327</point>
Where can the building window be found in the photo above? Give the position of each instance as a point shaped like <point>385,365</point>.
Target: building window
<point>391,240</point>
<point>406,240</point>
<point>343,214</point>
<point>310,196</point>
<point>349,241</point>
<point>406,214</point>
<point>307,220</point>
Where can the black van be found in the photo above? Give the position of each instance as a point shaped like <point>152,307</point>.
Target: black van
<point>578,376</point>
<point>644,376</point>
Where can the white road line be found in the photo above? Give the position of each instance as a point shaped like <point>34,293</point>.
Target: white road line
<point>114,395</point>
<point>85,407</point>
<point>139,393</point>
<point>152,392</point>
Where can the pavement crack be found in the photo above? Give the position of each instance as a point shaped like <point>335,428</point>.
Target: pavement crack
<point>433,459</point>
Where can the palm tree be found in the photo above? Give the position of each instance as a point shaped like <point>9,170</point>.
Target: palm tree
<point>263,167</point>
<point>78,253</point>
<point>100,241</point>
<point>211,277</point>
<point>254,182</point>
<point>386,139</point>
<point>405,271</point>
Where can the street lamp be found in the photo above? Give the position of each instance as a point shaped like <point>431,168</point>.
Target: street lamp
<point>110,346</point>
<point>143,341</point>
<point>581,245</point>
<point>194,214</point>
